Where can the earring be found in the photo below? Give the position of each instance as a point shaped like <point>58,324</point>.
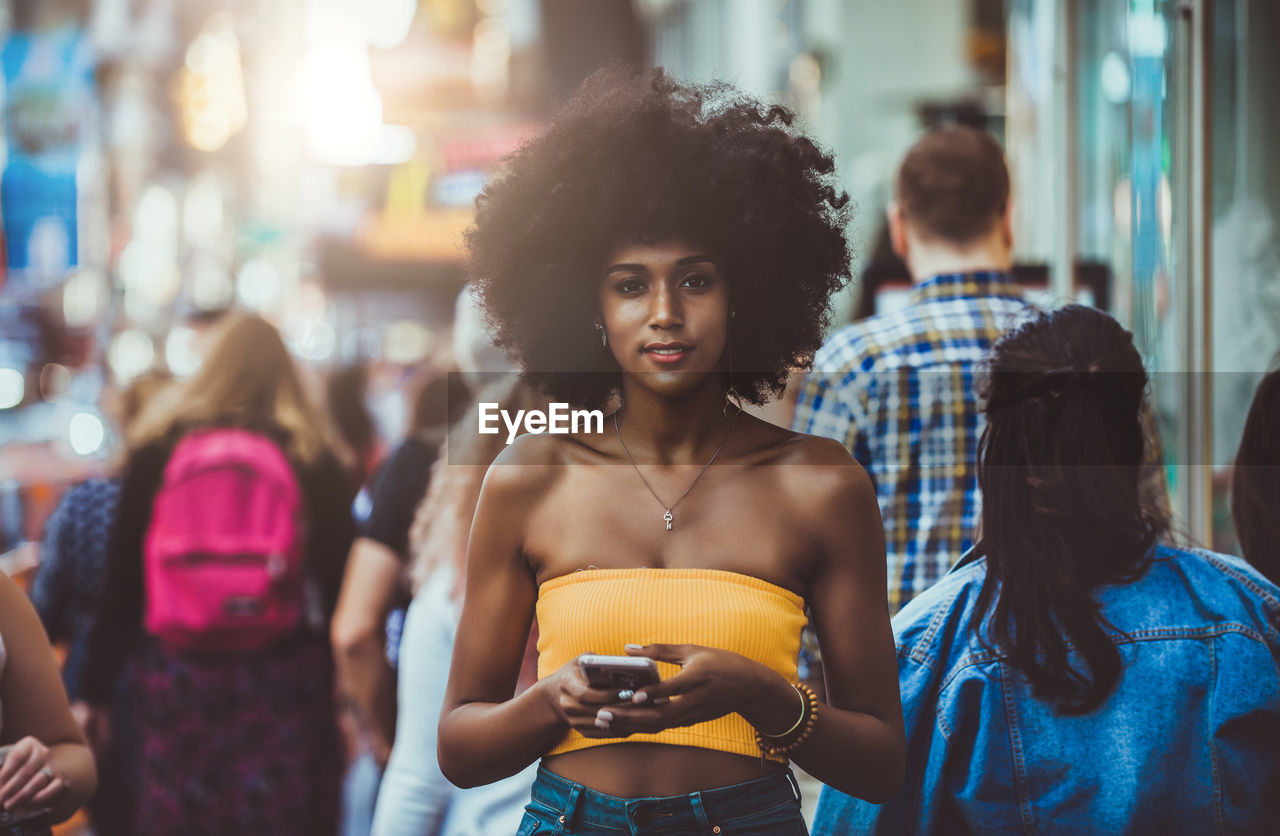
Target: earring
<point>732,313</point>
<point>731,398</point>
<point>604,337</point>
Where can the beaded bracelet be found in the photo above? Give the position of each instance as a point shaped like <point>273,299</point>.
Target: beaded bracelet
<point>808,719</point>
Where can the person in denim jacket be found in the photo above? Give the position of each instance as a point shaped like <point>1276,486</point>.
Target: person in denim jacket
<point>1072,674</point>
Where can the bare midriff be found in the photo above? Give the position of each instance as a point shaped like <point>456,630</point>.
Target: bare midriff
<point>655,770</point>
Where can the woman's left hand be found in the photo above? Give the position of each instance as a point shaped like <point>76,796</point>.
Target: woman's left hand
<point>27,777</point>
<point>711,684</point>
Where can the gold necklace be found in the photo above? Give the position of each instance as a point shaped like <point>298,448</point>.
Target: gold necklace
<point>667,517</point>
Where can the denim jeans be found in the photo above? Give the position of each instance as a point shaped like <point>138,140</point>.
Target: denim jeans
<point>768,806</point>
<point>25,823</point>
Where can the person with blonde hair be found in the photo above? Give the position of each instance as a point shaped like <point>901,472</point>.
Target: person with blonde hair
<point>231,674</point>
<point>415,798</point>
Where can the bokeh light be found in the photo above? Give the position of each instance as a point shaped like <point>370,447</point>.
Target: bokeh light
<point>86,433</point>
<point>180,353</point>
<point>130,354</point>
<point>13,387</point>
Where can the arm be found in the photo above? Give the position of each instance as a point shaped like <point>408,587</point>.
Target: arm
<point>486,734</point>
<point>37,719</point>
<point>358,637</point>
<point>414,796</point>
<point>857,744</point>
<point>369,589</point>
<point>920,803</point>
<point>860,749</point>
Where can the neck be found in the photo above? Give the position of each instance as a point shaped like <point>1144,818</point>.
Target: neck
<point>672,430</point>
<point>936,259</point>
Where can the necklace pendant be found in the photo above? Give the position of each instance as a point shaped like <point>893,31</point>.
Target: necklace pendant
<point>667,516</point>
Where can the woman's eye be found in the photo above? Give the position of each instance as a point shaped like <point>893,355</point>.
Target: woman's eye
<point>630,286</point>
<point>697,280</point>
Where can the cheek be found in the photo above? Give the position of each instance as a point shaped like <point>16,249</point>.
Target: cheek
<point>621,314</point>
<point>714,340</point>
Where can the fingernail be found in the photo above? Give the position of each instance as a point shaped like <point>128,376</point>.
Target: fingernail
<point>633,646</point>
<point>640,696</point>
<point>605,715</point>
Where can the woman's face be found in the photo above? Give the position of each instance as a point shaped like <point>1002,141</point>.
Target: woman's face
<point>666,310</point>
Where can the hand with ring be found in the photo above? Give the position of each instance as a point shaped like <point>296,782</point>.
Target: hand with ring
<point>27,777</point>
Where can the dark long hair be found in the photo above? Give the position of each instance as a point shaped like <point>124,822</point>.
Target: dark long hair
<point>1063,509</point>
<point>1255,482</point>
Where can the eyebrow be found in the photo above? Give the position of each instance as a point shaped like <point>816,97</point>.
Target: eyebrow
<point>641,268</point>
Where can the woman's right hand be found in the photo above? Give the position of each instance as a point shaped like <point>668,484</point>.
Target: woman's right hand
<point>576,702</point>
<point>27,777</point>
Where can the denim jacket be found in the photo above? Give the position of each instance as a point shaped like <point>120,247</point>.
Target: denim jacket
<point>1188,742</point>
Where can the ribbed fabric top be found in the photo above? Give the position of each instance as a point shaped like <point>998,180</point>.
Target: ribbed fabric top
<point>601,610</point>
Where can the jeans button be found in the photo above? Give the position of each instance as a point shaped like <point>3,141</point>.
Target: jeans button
<point>642,816</point>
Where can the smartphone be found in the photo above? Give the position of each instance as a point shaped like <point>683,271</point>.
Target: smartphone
<point>623,673</point>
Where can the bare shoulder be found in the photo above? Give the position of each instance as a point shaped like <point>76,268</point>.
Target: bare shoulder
<point>805,449</point>
<point>15,609</point>
<point>20,627</point>
<point>823,477</point>
<point>526,468</point>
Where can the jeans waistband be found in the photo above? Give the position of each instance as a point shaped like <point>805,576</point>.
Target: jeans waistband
<point>581,806</point>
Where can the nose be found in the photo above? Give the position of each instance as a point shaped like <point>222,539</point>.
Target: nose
<point>665,308</point>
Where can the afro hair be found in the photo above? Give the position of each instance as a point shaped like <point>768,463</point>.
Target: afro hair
<point>634,157</point>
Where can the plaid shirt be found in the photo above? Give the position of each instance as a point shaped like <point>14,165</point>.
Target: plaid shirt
<point>897,390</point>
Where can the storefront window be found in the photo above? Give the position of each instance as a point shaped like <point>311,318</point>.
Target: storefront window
<point>1245,318</point>
<point>1129,103</point>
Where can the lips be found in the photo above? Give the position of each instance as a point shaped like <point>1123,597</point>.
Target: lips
<point>667,353</point>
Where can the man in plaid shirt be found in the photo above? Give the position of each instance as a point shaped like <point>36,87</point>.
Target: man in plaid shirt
<point>897,388</point>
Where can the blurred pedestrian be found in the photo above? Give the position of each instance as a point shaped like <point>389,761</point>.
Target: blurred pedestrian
<point>415,798</point>
<point>897,388</point>
<point>46,763</point>
<point>375,570</point>
<point>345,393</point>
<point>67,593</point>
<point>1255,481</point>
<point>1029,673</point>
<point>234,516</point>
<point>374,588</point>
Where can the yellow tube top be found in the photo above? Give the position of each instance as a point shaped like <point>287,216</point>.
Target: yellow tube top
<point>601,610</point>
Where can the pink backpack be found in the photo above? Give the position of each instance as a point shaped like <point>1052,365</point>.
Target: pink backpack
<point>223,555</point>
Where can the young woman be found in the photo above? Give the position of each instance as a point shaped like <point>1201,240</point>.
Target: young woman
<point>1255,481</point>
<point>1074,675</point>
<point>666,252</point>
<point>230,740</point>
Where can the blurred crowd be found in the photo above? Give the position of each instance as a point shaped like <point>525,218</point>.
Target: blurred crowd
<point>283,673</point>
